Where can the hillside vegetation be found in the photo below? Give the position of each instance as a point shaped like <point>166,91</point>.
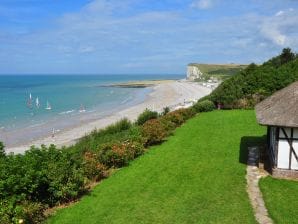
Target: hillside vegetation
<point>256,82</point>
<point>197,176</point>
<point>221,71</point>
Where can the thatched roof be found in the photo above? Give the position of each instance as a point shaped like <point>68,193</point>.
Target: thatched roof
<point>280,109</point>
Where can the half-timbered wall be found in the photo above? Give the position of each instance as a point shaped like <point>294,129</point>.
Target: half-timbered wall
<point>272,143</point>
<point>287,153</point>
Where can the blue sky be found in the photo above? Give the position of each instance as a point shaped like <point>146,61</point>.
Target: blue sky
<point>140,36</point>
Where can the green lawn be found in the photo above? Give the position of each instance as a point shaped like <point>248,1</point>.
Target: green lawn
<point>281,199</point>
<point>197,176</point>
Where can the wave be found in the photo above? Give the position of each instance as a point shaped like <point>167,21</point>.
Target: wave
<point>67,112</point>
<point>36,125</point>
<point>126,100</point>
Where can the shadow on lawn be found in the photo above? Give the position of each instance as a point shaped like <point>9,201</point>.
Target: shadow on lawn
<point>249,141</point>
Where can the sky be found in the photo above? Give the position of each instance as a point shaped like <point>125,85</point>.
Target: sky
<point>141,36</point>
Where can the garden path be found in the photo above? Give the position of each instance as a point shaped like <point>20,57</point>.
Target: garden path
<point>253,176</point>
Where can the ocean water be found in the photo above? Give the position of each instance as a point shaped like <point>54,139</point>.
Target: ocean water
<point>67,95</point>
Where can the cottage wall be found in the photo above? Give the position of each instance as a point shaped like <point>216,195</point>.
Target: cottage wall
<point>285,157</point>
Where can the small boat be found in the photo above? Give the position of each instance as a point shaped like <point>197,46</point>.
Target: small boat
<point>29,101</point>
<point>48,106</point>
<point>37,102</point>
<point>82,109</point>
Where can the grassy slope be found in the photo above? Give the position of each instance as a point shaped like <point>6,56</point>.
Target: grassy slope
<point>281,199</point>
<point>219,70</point>
<point>194,177</point>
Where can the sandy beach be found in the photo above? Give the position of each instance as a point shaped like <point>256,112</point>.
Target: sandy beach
<point>174,94</point>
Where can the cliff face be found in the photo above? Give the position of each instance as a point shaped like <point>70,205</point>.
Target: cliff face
<point>193,72</point>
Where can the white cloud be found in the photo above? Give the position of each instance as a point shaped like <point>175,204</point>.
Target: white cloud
<point>202,4</point>
<point>279,13</point>
<point>281,29</point>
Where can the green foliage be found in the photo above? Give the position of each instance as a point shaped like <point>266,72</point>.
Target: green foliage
<point>93,169</point>
<point>153,131</point>
<point>174,117</point>
<point>2,151</point>
<point>165,111</point>
<point>255,83</point>
<point>204,106</point>
<point>145,116</point>
<point>119,126</point>
<point>186,113</point>
<point>121,131</point>
<point>119,155</point>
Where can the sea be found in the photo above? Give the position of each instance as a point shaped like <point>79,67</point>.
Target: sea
<point>73,99</point>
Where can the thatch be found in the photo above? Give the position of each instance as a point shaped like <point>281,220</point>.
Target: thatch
<point>280,109</point>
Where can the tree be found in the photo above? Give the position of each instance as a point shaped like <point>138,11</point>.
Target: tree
<point>2,151</point>
<point>286,56</point>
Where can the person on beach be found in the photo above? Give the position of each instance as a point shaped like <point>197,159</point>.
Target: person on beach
<point>53,133</point>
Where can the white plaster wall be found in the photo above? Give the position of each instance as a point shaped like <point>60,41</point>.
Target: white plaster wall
<point>284,151</point>
<point>283,154</point>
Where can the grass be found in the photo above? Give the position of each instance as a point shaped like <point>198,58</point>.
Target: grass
<point>219,70</point>
<point>197,176</point>
<point>281,199</point>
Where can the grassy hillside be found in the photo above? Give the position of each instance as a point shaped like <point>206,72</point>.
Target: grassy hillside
<point>219,70</point>
<point>197,176</point>
<point>281,199</point>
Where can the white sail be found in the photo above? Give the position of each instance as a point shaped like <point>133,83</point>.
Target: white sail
<point>29,101</point>
<point>37,102</point>
<point>48,106</point>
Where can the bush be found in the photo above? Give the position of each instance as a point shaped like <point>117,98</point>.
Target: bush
<point>119,155</point>
<point>153,132</point>
<point>204,106</point>
<point>186,113</point>
<point>145,116</point>
<point>93,169</point>
<point>12,212</point>
<point>167,124</point>
<point>175,117</point>
<point>123,124</point>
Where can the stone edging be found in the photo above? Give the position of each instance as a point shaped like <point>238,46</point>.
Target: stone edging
<point>255,195</point>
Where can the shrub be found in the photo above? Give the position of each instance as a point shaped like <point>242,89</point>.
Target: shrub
<point>123,124</point>
<point>167,124</point>
<point>32,212</point>
<point>153,131</point>
<point>186,113</point>
<point>145,116</point>
<point>93,169</point>
<point>175,117</point>
<point>12,212</point>
<point>204,106</point>
<point>119,154</point>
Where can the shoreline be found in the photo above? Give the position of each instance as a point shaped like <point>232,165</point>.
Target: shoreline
<point>174,94</point>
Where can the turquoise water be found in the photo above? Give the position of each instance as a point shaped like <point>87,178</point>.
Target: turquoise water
<point>67,94</point>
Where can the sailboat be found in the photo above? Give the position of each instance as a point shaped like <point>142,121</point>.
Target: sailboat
<point>82,109</point>
<point>48,106</point>
<point>37,102</point>
<point>29,101</point>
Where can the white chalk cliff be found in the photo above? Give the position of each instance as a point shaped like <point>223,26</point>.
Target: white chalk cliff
<point>193,72</point>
